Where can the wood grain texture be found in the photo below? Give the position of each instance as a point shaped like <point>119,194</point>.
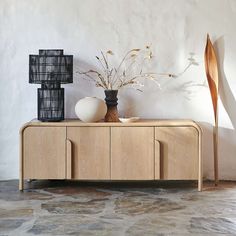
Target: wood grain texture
<point>44,153</point>
<point>138,153</point>
<point>179,152</point>
<point>21,165</point>
<point>90,152</point>
<point>132,153</point>
<point>157,159</point>
<point>140,123</point>
<point>112,114</point>
<point>211,67</point>
<point>68,159</point>
<point>200,162</point>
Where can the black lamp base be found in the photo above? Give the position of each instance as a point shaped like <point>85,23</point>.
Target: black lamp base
<point>50,104</point>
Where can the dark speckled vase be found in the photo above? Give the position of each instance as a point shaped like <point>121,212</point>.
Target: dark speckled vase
<point>111,101</point>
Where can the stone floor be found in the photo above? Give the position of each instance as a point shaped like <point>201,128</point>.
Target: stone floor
<point>137,209</point>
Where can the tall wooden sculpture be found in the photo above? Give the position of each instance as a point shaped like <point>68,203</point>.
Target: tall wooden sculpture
<point>212,77</point>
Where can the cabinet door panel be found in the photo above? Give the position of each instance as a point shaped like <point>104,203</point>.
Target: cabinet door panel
<point>90,152</point>
<point>179,152</point>
<point>157,160</point>
<point>44,152</point>
<point>132,153</point>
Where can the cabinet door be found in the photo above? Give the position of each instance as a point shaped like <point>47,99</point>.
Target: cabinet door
<point>178,152</point>
<point>132,153</point>
<point>44,152</point>
<point>90,152</point>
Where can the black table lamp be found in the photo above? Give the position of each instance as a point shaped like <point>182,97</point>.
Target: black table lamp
<point>50,69</point>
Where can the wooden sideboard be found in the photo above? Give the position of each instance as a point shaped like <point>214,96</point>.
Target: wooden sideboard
<point>144,150</point>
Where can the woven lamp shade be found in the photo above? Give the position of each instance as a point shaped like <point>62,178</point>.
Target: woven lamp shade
<point>50,68</point>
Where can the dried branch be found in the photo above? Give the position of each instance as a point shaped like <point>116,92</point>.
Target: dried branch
<point>126,73</point>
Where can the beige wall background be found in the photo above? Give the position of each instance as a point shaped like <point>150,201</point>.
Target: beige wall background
<point>83,28</point>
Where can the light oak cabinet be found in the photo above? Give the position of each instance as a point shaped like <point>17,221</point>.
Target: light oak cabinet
<point>178,152</point>
<point>145,150</point>
<point>90,152</point>
<point>132,153</point>
<point>44,153</point>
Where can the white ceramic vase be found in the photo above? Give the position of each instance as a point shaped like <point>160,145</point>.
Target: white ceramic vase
<point>90,109</point>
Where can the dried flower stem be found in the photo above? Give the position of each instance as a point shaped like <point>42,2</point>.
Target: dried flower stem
<point>118,77</point>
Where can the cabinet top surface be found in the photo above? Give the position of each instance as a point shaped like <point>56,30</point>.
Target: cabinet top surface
<point>139,123</point>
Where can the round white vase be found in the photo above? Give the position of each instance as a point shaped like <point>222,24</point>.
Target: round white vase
<point>90,109</point>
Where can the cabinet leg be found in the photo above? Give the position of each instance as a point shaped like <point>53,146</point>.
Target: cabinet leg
<point>200,185</point>
<point>21,184</point>
<point>200,182</point>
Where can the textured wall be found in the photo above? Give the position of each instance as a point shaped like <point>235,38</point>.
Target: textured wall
<point>175,28</point>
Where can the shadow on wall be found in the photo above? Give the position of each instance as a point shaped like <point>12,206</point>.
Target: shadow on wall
<point>127,104</point>
<point>227,145</point>
<point>225,92</point>
<point>71,96</point>
<point>227,148</point>
<point>80,88</point>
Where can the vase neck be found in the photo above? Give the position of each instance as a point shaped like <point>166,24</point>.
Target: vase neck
<point>111,97</point>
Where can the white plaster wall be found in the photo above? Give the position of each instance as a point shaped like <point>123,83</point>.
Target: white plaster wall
<point>82,28</point>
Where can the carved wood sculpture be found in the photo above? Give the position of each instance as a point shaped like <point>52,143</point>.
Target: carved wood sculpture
<point>212,77</point>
